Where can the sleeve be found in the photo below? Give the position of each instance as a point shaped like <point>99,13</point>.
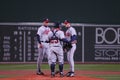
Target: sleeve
<point>73,31</point>
<point>38,39</point>
<point>50,34</point>
<point>62,35</point>
<point>39,32</point>
<point>74,37</point>
<point>73,34</point>
<point>38,35</point>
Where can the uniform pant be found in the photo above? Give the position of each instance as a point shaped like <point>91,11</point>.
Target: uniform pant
<point>70,57</point>
<point>57,52</point>
<point>43,52</point>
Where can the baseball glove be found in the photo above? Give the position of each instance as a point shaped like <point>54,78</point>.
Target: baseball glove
<point>67,46</point>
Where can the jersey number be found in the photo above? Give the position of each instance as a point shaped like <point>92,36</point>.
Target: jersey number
<point>54,41</point>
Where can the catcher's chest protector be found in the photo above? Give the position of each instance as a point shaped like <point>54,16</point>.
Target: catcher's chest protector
<point>54,37</point>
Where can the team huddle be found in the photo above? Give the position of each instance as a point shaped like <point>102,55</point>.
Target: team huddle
<point>51,43</point>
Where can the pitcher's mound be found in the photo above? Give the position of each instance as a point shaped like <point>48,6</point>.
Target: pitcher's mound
<point>48,77</point>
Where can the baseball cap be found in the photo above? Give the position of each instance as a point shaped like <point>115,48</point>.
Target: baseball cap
<point>56,25</point>
<point>46,20</point>
<point>66,22</point>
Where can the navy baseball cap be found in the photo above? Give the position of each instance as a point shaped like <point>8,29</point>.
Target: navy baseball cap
<point>46,20</point>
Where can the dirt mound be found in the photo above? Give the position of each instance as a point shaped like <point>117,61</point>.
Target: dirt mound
<point>30,75</point>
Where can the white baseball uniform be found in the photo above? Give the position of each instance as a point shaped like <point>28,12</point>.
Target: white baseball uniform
<point>43,34</point>
<point>56,46</point>
<point>70,54</point>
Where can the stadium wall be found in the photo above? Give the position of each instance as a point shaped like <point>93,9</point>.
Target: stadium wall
<point>96,43</point>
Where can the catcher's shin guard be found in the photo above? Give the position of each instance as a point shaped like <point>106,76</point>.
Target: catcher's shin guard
<point>61,67</point>
<point>52,66</point>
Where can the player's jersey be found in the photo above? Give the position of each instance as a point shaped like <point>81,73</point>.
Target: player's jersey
<point>70,32</point>
<point>55,37</point>
<point>43,33</point>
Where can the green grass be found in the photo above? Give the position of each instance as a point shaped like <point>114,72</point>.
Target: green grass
<point>85,67</point>
<point>106,77</point>
<point>98,67</point>
<point>17,66</point>
<point>3,76</point>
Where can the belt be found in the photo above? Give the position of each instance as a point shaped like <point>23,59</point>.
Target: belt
<point>45,41</point>
<point>56,46</point>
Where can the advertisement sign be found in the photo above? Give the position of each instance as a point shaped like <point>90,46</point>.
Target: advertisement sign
<point>102,44</point>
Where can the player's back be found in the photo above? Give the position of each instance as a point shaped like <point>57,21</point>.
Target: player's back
<point>55,36</point>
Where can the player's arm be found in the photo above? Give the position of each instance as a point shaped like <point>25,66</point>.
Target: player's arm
<point>38,39</point>
<point>64,40</point>
<point>62,37</point>
<point>74,36</point>
<point>73,39</point>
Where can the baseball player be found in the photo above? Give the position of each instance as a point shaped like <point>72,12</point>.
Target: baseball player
<point>71,36</point>
<point>56,36</point>
<point>43,45</point>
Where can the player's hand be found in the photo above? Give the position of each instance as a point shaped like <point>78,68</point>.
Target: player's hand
<point>65,50</point>
<point>74,42</point>
<point>40,46</point>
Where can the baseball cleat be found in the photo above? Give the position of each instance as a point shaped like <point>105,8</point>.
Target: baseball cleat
<point>57,72</point>
<point>61,74</point>
<point>40,73</point>
<point>52,74</point>
<point>70,74</point>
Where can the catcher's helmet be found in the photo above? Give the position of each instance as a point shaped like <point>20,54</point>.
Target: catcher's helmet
<point>56,25</point>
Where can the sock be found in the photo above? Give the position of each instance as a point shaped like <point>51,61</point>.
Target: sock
<point>61,67</point>
<point>39,70</point>
<point>52,67</point>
